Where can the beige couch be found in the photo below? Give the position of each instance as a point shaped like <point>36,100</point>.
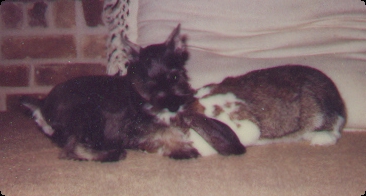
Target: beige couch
<point>228,38</point>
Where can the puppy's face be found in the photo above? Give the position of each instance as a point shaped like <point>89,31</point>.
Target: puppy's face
<point>159,75</point>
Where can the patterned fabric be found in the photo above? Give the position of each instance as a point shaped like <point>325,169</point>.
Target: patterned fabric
<point>115,17</point>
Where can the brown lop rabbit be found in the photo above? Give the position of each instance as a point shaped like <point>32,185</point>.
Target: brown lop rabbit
<point>279,104</point>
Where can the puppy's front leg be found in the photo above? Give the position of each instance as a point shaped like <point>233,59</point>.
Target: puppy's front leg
<point>78,151</point>
<point>169,141</point>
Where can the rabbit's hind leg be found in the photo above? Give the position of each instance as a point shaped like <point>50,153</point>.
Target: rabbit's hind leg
<point>324,137</point>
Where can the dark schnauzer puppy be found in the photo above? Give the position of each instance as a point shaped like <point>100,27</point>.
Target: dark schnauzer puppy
<point>98,117</point>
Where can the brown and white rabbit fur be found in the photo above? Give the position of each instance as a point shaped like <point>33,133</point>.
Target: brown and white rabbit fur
<point>98,117</point>
<point>284,103</point>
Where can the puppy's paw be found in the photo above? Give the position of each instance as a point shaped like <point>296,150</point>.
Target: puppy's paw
<point>112,155</point>
<point>184,154</point>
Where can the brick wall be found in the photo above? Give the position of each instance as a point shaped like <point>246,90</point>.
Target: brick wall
<point>46,42</point>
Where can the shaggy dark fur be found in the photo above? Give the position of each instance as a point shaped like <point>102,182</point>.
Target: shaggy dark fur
<point>98,117</point>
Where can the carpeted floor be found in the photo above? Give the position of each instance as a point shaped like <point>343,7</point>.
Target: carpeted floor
<point>29,166</point>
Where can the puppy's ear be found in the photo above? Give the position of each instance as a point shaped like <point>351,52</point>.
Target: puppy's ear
<point>175,41</point>
<point>132,50</point>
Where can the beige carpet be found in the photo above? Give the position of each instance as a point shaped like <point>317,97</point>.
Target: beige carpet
<point>29,166</point>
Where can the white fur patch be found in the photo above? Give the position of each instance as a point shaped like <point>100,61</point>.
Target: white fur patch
<point>321,138</point>
<point>200,144</point>
<point>84,153</point>
<point>203,92</point>
<point>247,132</point>
<point>318,120</point>
<point>225,101</point>
<point>337,127</point>
<point>47,129</point>
<point>165,115</point>
<point>324,138</point>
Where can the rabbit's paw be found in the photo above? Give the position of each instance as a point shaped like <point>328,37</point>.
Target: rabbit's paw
<point>321,138</point>
<point>247,132</point>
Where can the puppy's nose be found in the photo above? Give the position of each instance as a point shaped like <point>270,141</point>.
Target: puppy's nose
<point>173,108</point>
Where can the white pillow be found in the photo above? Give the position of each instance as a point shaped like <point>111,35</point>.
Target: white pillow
<point>233,37</point>
<point>258,29</point>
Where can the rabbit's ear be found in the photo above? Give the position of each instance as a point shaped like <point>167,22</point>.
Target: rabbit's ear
<point>220,136</point>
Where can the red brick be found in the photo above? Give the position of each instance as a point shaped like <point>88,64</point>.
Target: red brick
<point>93,12</point>
<point>14,75</point>
<point>53,74</point>
<point>64,13</point>
<point>11,15</point>
<point>37,14</point>
<point>94,46</point>
<point>38,47</point>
